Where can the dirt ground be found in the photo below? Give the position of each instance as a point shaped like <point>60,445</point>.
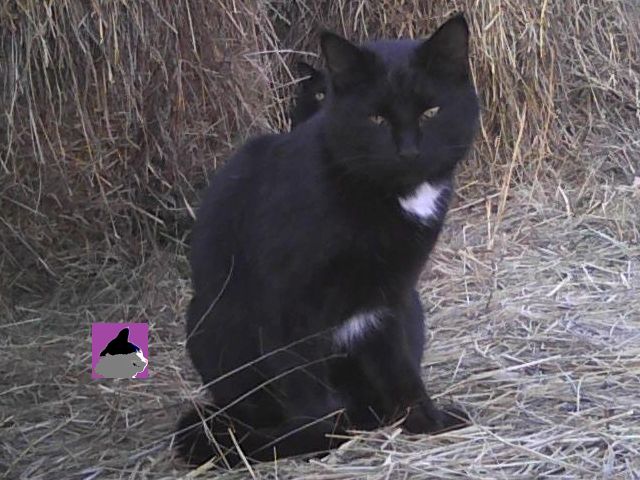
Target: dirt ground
<point>534,325</point>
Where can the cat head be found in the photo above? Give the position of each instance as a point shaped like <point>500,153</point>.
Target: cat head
<point>310,93</point>
<point>400,112</point>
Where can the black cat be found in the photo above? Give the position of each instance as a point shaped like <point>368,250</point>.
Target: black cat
<point>309,94</point>
<point>308,247</point>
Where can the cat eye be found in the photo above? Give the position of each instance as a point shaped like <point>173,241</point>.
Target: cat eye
<point>430,112</point>
<point>377,119</point>
<point>319,96</point>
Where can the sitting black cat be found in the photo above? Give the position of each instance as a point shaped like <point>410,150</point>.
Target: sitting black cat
<point>309,94</point>
<point>308,247</point>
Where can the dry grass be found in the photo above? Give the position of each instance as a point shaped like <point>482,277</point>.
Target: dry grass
<point>537,338</point>
<point>113,112</point>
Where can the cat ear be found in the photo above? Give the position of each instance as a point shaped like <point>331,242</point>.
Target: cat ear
<point>446,52</point>
<point>123,335</point>
<point>347,63</point>
<point>305,70</point>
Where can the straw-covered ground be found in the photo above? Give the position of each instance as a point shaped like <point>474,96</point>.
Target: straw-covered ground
<point>113,111</point>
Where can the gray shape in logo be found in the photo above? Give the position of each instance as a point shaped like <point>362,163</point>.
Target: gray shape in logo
<point>122,365</point>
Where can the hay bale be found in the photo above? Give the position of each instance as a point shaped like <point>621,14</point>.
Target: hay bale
<point>116,110</point>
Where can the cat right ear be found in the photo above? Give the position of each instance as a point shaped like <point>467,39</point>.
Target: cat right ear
<point>347,64</point>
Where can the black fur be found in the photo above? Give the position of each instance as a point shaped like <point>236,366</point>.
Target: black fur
<point>310,93</point>
<point>120,345</point>
<point>301,231</point>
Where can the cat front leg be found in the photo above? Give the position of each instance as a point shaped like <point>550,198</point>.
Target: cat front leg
<point>388,381</point>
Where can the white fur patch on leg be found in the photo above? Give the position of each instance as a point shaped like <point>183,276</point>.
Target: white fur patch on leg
<point>356,327</point>
<point>424,202</point>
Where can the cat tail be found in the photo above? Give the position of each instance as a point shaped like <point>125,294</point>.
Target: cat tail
<point>203,433</point>
<point>196,437</point>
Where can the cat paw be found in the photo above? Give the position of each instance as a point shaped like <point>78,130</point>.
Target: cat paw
<point>427,419</point>
<point>454,418</point>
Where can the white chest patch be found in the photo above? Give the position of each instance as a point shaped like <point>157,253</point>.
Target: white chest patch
<point>356,328</point>
<point>425,202</point>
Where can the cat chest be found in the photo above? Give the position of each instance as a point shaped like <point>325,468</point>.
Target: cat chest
<point>426,203</point>
<point>358,327</point>
<point>389,265</point>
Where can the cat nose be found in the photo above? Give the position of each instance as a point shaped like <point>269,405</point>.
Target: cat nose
<point>410,153</point>
<point>407,142</point>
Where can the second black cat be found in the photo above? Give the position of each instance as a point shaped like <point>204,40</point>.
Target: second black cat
<point>309,95</point>
<point>307,250</point>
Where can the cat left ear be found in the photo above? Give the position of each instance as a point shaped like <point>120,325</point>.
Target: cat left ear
<point>347,63</point>
<point>446,52</point>
<point>305,70</point>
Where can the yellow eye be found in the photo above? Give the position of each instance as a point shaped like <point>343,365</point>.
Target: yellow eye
<point>377,119</point>
<point>431,112</point>
<point>319,96</point>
